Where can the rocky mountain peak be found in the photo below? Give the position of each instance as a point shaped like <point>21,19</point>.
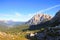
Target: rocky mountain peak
<point>39,18</point>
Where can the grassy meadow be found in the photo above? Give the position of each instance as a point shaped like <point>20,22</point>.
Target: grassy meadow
<point>15,33</point>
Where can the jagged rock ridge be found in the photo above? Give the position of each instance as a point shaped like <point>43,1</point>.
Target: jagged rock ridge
<point>39,18</point>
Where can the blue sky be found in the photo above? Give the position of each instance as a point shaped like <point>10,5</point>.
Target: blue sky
<point>23,10</point>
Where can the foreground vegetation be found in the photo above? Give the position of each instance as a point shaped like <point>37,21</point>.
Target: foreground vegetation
<point>15,33</point>
<point>17,36</point>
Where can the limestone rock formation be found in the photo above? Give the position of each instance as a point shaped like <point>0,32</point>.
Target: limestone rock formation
<point>39,18</point>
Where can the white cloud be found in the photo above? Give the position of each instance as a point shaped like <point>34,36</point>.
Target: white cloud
<point>47,9</point>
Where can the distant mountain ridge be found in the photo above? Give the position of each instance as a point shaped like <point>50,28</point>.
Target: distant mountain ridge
<point>39,18</point>
<point>10,23</point>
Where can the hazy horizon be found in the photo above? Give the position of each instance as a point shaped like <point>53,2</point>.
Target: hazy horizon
<point>23,10</point>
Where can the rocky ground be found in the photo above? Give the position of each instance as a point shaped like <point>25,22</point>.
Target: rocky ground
<point>51,33</point>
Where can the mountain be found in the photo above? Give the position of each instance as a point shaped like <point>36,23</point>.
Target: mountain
<point>5,25</point>
<point>55,21</point>
<point>10,23</point>
<point>51,29</point>
<point>39,18</point>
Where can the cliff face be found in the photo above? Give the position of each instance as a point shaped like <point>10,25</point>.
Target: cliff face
<point>39,18</point>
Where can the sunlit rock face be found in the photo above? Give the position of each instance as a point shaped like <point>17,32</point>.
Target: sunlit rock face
<point>39,18</point>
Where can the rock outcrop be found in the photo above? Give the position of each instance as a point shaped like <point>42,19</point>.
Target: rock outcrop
<point>39,18</point>
<point>50,33</point>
